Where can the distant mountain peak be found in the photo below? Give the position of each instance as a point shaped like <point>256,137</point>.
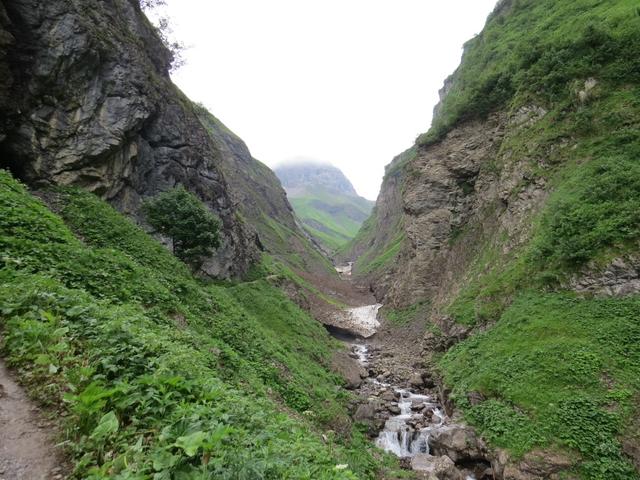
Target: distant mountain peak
<point>324,200</point>
<point>301,177</point>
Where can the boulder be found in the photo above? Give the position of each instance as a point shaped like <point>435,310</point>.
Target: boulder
<point>435,468</point>
<point>388,396</point>
<point>366,412</point>
<point>547,464</point>
<point>460,443</point>
<point>416,380</point>
<point>348,368</point>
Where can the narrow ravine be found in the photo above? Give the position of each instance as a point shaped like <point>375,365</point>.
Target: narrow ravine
<point>405,416</point>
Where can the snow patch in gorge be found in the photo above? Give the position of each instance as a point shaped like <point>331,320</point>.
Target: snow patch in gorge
<point>363,320</point>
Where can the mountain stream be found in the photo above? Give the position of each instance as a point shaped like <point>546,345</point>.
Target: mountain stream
<point>411,416</point>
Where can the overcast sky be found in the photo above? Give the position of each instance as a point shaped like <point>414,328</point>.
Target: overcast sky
<point>349,82</point>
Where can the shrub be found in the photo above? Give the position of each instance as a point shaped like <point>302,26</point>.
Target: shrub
<point>181,216</point>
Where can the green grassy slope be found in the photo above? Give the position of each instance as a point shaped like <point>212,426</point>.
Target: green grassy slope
<point>557,370</point>
<point>158,374</point>
<point>381,237</point>
<point>331,218</point>
<point>541,50</point>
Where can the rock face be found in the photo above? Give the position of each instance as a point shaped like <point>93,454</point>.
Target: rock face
<point>534,465</point>
<point>620,277</point>
<point>261,200</point>
<point>382,228</point>
<point>442,190</point>
<point>86,100</point>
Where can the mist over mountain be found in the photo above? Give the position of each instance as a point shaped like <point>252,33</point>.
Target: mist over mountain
<point>298,177</point>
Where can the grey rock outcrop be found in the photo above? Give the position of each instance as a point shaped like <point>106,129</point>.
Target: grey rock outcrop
<point>86,100</point>
<point>459,443</point>
<point>430,467</point>
<point>620,277</point>
<point>534,465</point>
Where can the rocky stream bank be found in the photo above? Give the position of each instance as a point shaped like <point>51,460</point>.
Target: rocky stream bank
<point>401,402</point>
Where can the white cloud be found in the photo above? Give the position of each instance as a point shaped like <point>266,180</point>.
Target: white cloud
<point>349,82</point>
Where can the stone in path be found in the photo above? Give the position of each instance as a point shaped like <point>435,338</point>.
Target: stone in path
<point>27,452</point>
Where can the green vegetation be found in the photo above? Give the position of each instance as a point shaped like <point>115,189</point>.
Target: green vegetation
<point>379,241</point>
<point>305,258</point>
<point>596,210</point>
<point>330,218</point>
<point>558,370</point>
<point>160,375</point>
<point>536,50</point>
<point>404,316</point>
<point>373,260</point>
<point>182,217</point>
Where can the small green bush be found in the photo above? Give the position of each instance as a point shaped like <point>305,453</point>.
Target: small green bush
<point>181,216</point>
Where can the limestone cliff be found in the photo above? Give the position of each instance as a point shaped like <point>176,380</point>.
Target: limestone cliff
<point>86,100</point>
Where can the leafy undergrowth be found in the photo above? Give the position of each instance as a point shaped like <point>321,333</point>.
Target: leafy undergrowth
<point>557,370</point>
<point>538,48</point>
<point>160,375</point>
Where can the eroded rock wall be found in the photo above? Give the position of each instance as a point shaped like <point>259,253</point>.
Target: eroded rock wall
<point>456,195</point>
<point>86,100</point>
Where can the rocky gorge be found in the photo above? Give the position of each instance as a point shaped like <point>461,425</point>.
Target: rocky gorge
<point>486,312</point>
<point>401,404</point>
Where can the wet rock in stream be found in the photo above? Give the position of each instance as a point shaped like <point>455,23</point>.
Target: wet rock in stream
<point>407,420</point>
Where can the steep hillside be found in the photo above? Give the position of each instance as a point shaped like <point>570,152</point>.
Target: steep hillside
<point>259,197</point>
<point>99,111</point>
<point>148,371</point>
<point>517,221</point>
<point>154,374</point>
<point>325,201</point>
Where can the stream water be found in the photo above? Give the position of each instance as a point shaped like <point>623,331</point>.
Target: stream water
<point>414,416</point>
<point>406,433</point>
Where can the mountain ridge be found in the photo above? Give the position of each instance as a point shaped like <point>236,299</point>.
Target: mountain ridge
<point>325,201</point>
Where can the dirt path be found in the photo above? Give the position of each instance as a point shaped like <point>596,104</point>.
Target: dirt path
<point>27,451</point>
